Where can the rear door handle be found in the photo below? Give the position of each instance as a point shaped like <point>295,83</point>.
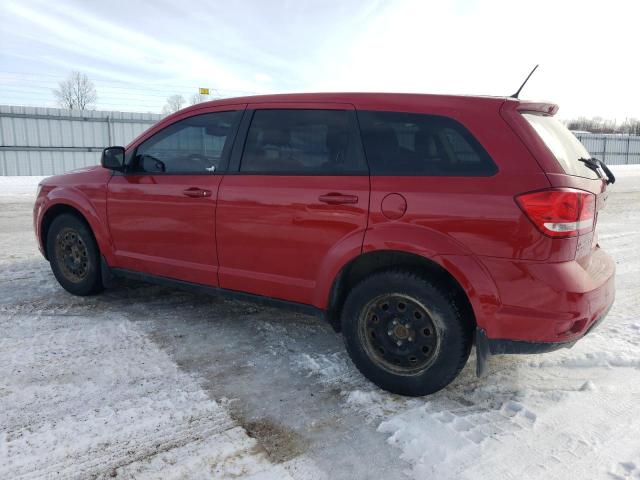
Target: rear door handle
<point>195,192</point>
<point>335,198</point>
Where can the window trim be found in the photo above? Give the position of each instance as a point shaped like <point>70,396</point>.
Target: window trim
<point>243,133</point>
<point>224,158</point>
<point>475,142</point>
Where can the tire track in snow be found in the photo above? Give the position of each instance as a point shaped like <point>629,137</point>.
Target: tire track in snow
<point>72,407</point>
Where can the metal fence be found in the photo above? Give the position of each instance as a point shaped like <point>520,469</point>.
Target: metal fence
<point>613,149</point>
<point>47,141</point>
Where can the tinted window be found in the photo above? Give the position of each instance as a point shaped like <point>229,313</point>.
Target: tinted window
<point>414,144</point>
<point>302,142</point>
<point>563,144</point>
<point>193,145</point>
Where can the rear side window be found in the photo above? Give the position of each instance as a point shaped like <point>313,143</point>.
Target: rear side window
<point>193,145</point>
<point>563,144</point>
<point>302,142</point>
<point>414,144</point>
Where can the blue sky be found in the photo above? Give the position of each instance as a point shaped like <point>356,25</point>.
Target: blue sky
<point>138,53</point>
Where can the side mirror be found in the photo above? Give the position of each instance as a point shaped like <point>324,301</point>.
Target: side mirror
<point>113,158</point>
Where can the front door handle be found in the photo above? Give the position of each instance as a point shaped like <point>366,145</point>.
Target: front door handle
<point>335,198</point>
<point>195,192</point>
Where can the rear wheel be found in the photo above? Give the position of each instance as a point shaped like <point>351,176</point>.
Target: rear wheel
<point>404,333</point>
<point>74,255</point>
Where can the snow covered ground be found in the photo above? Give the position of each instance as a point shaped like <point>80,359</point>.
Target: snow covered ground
<point>18,188</point>
<point>148,382</point>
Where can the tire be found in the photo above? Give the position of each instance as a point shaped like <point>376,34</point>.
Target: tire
<point>74,255</point>
<point>405,333</point>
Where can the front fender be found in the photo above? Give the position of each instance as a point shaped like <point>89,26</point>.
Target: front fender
<point>80,201</point>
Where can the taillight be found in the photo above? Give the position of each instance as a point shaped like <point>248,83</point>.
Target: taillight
<point>559,212</point>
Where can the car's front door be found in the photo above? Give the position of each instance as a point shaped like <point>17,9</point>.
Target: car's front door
<point>161,211</point>
<point>298,198</point>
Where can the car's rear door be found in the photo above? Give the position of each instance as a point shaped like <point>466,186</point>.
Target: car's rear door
<point>298,198</point>
<point>161,211</point>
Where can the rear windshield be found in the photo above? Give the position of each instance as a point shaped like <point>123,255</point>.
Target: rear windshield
<point>562,143</point>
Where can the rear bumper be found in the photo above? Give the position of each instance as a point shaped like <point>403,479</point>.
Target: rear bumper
<point>545,307</point>
<point>496,346</point>
<point>549,302</point>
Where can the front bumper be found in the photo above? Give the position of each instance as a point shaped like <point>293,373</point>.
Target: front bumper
<point>38,212</point>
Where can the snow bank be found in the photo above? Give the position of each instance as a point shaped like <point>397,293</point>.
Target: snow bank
<point>561,435</point>
<point>22,187</point>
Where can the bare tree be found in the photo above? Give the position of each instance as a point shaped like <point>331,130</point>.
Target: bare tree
<point>174,103</point>
<point>603,125</point>
<point>630,126</point>
<point>77,92</point>
<point>198,98</point>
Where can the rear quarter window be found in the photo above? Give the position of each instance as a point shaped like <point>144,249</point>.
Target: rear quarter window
<point>566,148</point>
<point>399,143</point>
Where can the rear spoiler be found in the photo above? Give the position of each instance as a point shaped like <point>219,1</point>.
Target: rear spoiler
<point>538,107</point>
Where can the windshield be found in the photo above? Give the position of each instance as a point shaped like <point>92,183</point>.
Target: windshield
<point>562,143</point>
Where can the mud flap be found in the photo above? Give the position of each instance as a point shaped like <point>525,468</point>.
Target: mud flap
<point>482,352</point>
<point>108,279</point>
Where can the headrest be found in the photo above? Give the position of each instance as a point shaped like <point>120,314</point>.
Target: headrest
<point>275,137</point>
<point>382,137</point>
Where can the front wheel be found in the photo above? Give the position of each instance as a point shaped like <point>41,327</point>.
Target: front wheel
<point>404,333</point>
<point>74,255</point>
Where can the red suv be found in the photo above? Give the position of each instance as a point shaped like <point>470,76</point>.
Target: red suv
<point>416,224</point>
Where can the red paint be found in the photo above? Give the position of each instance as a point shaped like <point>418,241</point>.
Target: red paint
<point>158,227</point>
<point>289,236</point>
<point>274,235</point>
<point>393,206</point>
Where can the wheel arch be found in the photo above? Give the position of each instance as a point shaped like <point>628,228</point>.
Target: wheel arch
<point>51,214</point>
<point>62,200</point>
<point>365,264</point>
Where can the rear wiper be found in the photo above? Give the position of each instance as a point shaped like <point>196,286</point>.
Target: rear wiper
<point>600,168</point>
<point>611,178</point>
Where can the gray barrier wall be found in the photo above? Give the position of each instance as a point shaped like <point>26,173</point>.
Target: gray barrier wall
<point>613,149</point>
<point>47,141</point>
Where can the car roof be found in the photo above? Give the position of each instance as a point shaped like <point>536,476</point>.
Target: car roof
<point>359,99</point>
